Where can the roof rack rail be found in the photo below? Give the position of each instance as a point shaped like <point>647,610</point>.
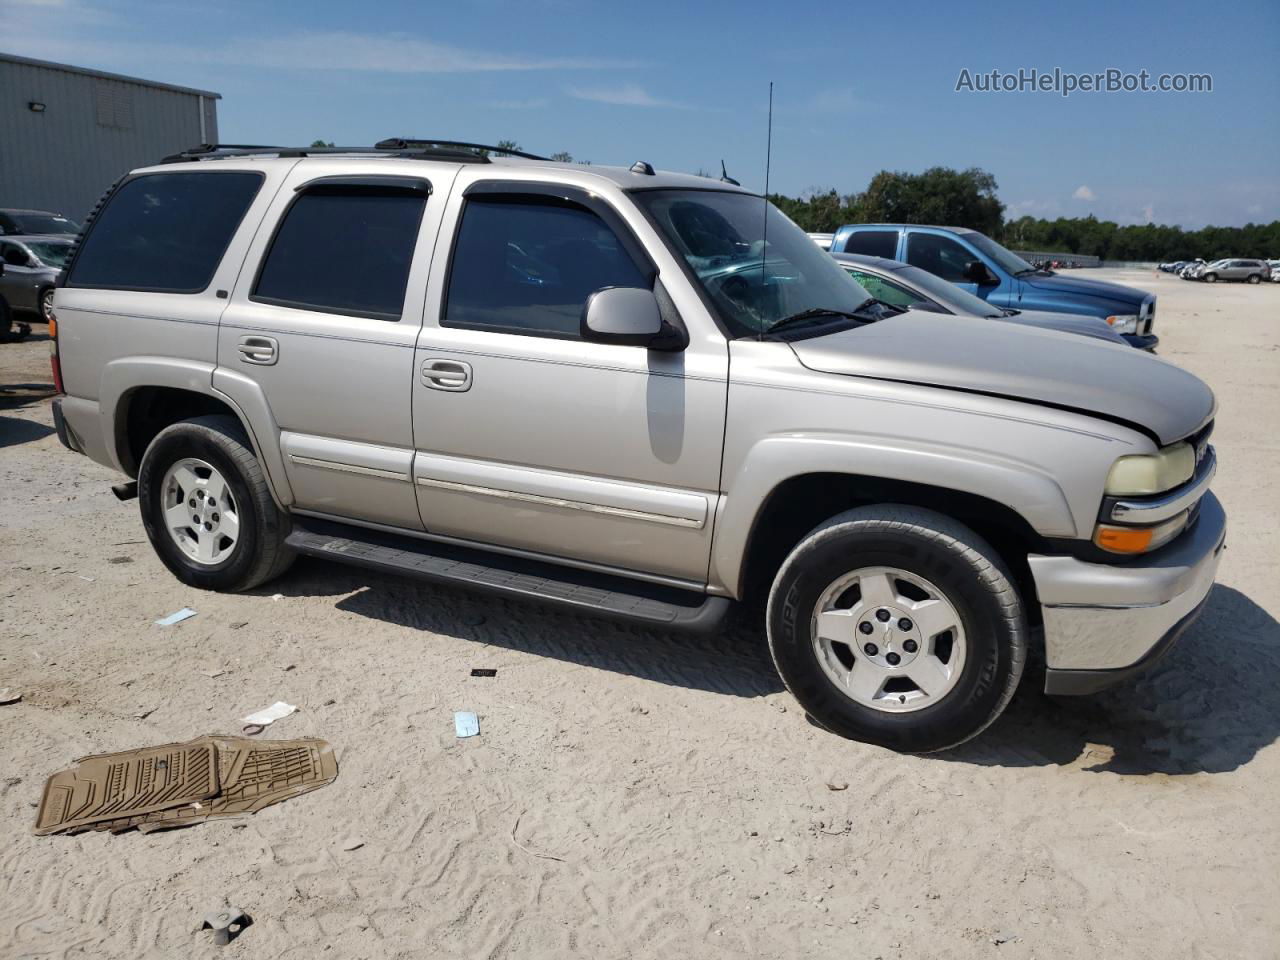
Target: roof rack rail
<point>455,150</point>
<point>405,143</point>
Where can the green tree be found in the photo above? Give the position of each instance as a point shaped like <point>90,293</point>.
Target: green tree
<point>959,198</point>
<point>321,143</point>
<point>562,157</point>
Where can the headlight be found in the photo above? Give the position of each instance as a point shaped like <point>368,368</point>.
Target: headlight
<point>1150,473</point>
<point>1127,323</point>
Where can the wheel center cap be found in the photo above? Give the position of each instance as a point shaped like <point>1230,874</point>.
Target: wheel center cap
<point>888,637</point>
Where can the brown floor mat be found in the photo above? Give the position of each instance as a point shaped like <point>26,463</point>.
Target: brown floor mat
<point>251,774</point>
<point>132,783</point>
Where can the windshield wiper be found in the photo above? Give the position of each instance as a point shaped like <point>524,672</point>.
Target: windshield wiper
<point>817,313</point>
<point>893,307</point>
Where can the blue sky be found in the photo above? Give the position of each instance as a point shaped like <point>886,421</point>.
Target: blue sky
<point>859,87</point>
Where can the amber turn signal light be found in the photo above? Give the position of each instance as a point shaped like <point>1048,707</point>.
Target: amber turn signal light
<point>1123,539</point>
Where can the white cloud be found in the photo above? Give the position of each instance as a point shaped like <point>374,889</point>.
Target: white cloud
<point>533,103</point>
<point>1149,213</point>
<point>387,53</point>
<point>399,53</point>
<point>1084,193</point>
<point>835,100</point>
<point>627,95</point>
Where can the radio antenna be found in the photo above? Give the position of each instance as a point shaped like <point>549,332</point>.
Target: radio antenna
<point>764,230</point>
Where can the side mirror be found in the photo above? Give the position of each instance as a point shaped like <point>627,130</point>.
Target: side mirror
<point>623,315</point>
<point>15,257</point>
<point>975,271</point>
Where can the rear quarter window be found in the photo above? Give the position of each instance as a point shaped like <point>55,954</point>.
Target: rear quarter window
<point>164,232</point>
<point>873,243</point>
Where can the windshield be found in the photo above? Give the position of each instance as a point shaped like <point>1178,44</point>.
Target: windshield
<point>754,282</point>
<point>946,292</point>
<point>50,253</point>
<point>1008,261</point>
<point>45,223</point>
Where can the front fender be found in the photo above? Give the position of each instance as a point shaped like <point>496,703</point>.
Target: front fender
<point>1026,489</point>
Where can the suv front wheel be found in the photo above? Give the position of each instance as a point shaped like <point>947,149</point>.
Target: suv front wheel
<point>897,626</point>
<point>207,509</point>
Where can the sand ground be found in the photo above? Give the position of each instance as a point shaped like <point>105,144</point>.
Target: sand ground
<point>631,794</point>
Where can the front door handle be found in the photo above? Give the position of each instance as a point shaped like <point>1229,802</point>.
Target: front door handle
<point>260,350</point>
<point>451,375</point>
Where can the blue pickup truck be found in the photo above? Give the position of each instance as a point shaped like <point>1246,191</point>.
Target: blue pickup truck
<point>977,263</point>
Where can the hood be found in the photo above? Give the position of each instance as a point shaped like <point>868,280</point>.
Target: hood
<point>1080,287</point>
<point>1041,366</point>
<point>1068,323</point>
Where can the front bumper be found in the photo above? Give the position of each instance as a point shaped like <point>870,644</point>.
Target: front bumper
<point>1103,622</point>
<point>1142,341</point>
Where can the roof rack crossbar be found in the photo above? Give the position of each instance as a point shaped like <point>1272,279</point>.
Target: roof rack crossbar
<point>416,150</point>
<point>402,143</point>
<point>393,146</point>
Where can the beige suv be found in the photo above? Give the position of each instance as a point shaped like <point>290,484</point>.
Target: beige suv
<point>632,394</point>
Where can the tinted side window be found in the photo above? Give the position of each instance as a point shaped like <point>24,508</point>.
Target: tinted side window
<point>874,243</point>
<point>164,232</point>
<point>344,249</point>
<point>886,290</point>
<point>528,267</point>
<point>941,256</point>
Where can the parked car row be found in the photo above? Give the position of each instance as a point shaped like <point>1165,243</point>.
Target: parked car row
<point>1001,279</point>
<point>629,394</point>
<point>1246,271</point>
<point>903,285</point>
<point>34,245</point>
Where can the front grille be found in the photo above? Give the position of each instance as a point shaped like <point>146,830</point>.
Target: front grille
<point>1200,441</point>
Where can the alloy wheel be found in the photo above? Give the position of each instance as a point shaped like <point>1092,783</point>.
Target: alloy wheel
<point>888,639</point>
<point>200,513</point>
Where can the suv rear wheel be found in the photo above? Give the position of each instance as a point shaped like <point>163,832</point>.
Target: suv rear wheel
<point>207,509</point>
<point>897,626</point>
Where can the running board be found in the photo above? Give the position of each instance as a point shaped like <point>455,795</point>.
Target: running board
<point>584,591</point>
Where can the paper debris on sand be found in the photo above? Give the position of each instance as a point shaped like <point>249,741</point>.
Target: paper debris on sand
<point>269,715</point>
<point>183,614</point>
<point>466,724</point>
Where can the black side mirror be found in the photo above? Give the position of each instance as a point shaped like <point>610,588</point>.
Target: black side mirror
<point>625,315</point>
<point>975,271</point>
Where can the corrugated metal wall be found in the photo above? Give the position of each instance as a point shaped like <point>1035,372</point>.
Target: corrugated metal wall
<point>91,131</point>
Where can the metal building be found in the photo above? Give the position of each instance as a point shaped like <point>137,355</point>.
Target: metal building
<point>66,133</point>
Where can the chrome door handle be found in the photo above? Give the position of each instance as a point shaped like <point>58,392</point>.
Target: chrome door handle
<point>451,375</point>
<point>260,350</point>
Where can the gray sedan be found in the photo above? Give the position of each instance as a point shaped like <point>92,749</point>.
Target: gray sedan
<point>31,266</point>
<point>903,285</point>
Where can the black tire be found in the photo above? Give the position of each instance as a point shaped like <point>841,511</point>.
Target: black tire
<point>948,554</point>
<point>259,553</point>
<point>6,319</point>
<point>1210,278</point>
<point>1255,278</point>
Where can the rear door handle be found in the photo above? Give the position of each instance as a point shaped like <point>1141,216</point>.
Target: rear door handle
<point>451,375</point>
<point>260,350</point>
